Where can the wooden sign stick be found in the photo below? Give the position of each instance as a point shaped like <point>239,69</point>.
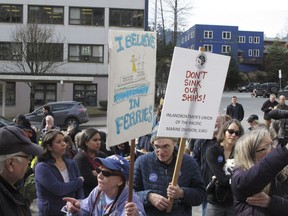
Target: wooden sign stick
<point>131,170</point>
<point>177,168</point>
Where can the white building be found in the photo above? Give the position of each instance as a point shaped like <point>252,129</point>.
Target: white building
<point>83,26</point>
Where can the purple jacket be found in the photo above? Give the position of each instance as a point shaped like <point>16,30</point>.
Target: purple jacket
<point>89,207</point>
<point>252,181</point>
<point>51,188</point>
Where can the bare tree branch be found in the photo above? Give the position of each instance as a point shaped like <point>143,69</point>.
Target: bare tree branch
<point>36,50</point>
<point>181,11</point>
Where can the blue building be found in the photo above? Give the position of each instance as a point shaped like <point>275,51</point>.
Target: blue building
<point>246,47</point>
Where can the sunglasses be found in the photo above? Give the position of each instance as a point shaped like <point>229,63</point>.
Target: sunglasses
<point>106,173</point>
<point>231,131</point>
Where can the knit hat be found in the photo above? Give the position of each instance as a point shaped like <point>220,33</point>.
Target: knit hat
<point>155,137</point>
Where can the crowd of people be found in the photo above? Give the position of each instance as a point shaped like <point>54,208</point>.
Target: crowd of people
<point>237,172</point>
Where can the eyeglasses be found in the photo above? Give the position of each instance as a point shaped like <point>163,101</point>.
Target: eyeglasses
<point>231,131</point>
<point>106,173</point>
<point>28,157</point>
<point>266,148</point>
<point>164,147</point>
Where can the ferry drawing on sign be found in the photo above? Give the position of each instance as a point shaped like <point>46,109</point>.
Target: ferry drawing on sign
<point>135,83</point>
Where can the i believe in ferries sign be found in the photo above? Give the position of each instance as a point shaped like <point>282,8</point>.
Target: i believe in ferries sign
<point>193,94</point>
<point>132,64</point>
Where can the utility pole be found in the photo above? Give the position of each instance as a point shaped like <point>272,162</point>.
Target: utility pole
<point>155,21</point>
<point>280,76</point>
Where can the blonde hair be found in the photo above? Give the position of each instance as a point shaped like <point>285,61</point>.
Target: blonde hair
<point>245,150</point>
<point>78,138</point>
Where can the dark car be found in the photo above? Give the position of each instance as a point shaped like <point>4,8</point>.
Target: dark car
<point>5,122</point>
<point>266,89</point>
<point>283,91</point>
<point>65,113</point>
<point>248,87</point>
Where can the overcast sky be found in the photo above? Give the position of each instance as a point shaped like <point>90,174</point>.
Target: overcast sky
<point>268,16</point>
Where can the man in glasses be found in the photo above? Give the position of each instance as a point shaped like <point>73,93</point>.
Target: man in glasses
<point>153,174</point>
<point>16,151</point>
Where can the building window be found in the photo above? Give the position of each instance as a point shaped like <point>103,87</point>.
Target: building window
<point>226,49</point>
<point>241,39</point>
<point>45,92</point>
<point>256,53</point>
<point>86,16</point>
<point>226,35</point>
<point>192,34</point>
<point>46,14</point>
<point>208,48</point>
<point>250,39</point>
<point>85,93</point>
<point>49,52</point>
<point>126,18</point>
<point>208,34</point>
<point>10,93</point>
<point>256,40</point>
<point>86,53</point>
<point>10,51</point>
<point>11,13</point>
<point>250,52</point>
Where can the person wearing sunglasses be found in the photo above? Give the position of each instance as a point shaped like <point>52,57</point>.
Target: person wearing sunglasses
<point>199,152</point>
<point>16,151</point>
<point>220,163</point>
<point>110,197</point>
<point>56,176</point>
<point>260,179</point>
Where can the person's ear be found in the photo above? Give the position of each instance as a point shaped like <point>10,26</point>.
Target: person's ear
<point>49,147</point>
<point>121,182</point>
<point>9,164</point>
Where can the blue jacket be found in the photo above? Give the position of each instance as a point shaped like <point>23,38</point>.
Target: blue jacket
<point>252,181</point>
<point>86,205</point>
<point>51,188</point>
<point>151,175</point>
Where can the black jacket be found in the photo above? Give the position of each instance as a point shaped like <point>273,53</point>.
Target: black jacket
<point>86,168</point>
<point>265,108</point>
<point>216,161</point>
<point>12,203</point>
<point>199,153</point>
<point>236,112</point>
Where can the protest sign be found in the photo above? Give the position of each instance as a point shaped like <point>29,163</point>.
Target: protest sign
<point>193,94</point>
<point>132,64</point>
